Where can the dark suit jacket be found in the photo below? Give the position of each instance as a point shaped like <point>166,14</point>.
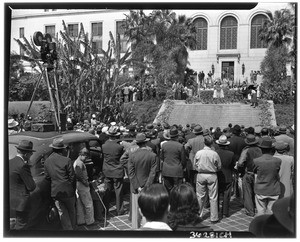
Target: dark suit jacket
<point>141,168</point>
<point>228,162</point>
<point>59,170</point>
<point>174,159</point>
<point>236,145</point>
<point>21,184</point>
<point>112,166</point>
<point>267,169</point>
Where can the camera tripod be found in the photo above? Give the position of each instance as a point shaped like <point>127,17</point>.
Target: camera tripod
<point>53,93</point>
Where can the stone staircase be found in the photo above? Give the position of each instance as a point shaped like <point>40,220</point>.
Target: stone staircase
<point>214,115</point>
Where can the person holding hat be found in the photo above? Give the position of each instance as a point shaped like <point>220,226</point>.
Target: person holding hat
<point>267,182</point>
<point>225,174</point>
<point>286,172</point>
<point>21,183</point>
<point>173,160</point>
<point>84,201</point>
<point>192,146</point>
<point>246,165</point>
<point>113,168</point>
<point>60,172</point>
<point>142,166</point>
<point>285,138</point>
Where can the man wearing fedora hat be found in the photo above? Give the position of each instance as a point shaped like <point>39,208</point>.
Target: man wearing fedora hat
<point>286,172</point>
<point>192,146</point>
<point>60,172</point>
<point>142,166</point>
<point>245,163</point>
<point>285,138</point>
<point>237,143</point>
<point>267,182</point>
<point>225,174</point>
<point>173,160</point>
<point>84,201</point>
<point>21,183</point>
<point>113,168</point>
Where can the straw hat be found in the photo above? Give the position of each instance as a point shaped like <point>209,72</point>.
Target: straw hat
<point>12,123</point>
<point>58,144</point>
<point>223,140</point>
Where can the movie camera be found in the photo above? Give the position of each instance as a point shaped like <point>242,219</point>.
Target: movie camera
<point>48,48</point>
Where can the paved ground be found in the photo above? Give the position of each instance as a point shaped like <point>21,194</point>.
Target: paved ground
<point>236,222</point>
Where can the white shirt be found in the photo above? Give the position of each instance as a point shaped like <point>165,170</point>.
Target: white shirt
<point>156,225</point>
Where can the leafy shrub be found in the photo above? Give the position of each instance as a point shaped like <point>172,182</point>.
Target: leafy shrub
<point>276,86</point>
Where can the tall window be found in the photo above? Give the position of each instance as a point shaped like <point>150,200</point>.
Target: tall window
<point>73,30</point>
<point>228,33</point>
<point>256,25</point>
<point>21,34</point>
<point>50,29</point>
<point>97,37</point>
<point>201,38</point>
<point>123,40</point>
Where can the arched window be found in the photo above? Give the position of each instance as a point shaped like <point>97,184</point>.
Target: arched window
<point>201,38</point>
<point>228,33</point>
<point>256,25</point>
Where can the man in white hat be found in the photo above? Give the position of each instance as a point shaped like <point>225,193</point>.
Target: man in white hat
<point>225,174</point>
<point>21,183</point>
<point>12,126</point>
<point>60,172</point>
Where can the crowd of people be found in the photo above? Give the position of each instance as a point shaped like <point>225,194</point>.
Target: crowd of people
<point>187,167</point>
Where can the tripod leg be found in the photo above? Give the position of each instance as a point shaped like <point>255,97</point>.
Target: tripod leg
<point>57,100</point>
<point>35,88</point>
<point>52,100</point>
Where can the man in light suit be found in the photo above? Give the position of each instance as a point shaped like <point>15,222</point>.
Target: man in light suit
<point>21,183</point>
<point>142,165</point>
<point>283,137</point>
<point>174,160</point>
<point>59,170</point>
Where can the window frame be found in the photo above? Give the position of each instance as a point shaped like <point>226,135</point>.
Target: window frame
<point>229,30</point>
<point>257,44</point>
<point>202,35</point>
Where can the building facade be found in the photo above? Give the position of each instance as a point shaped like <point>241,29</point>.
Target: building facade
<point>227,40</point>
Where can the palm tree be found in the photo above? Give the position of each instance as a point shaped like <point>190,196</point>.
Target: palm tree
<point>278,29</point>
<point>160,43</point>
